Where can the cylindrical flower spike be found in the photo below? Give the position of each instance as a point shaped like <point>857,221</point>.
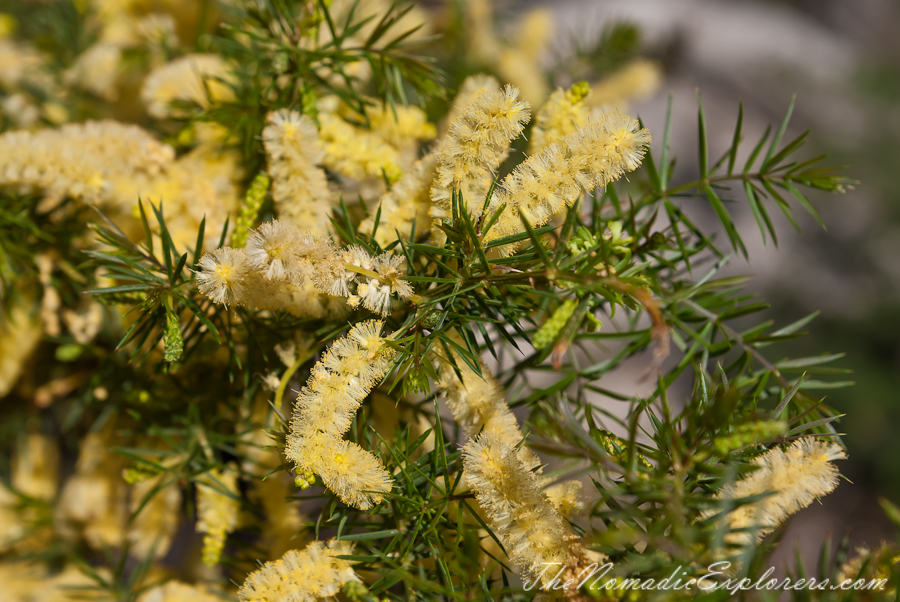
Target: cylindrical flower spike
<point>324,410</point>
<point>90,160</point>
<point>299,187</point>
<point>197,78</point>
<point>354,151</point>
<point>545,183</point>
<point>301,575</point>
<point>478,141</point>
<point>478,405</point>
<point>635,81</point>
<point>797,475</point>
<point>522,516</point>
<point>471,87</point>
<point>217,512</point>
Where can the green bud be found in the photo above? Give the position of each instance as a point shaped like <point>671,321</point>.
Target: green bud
<point>68,353</point>
<point>546,334</point>
<point>617,447</point>
<point>135,475</point>
<point>308,101</point>
<point>256,194</point>
<point>750,433</point>
<point>150,301</point>
<point>656,240</point>
<point>583,240</point>
<point>578,91</point>
<point>173,343</point>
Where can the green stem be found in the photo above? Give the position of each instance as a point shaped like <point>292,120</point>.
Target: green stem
<point>302,358</point>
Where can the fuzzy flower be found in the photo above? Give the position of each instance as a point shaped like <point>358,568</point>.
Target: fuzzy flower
<point>478,141</point>
<point>527,524</point>
<point>356,152</point>
<point>21,64</point>
<point>270,250</point>
<point>376,293</point>
<point>93,502</point>
<point>351,472</point>
<point>217,511</point>
<point>291,136</point>
<point>32,582</point>
<point>301,575</point>
<point>562,114</point>
<point>196,78</point>
<point>797,475</point>
<point>407,203</point>
<point>90,161</point>
<point>299,186</point>
<point>558,176</point>
<point>36,468</point>
<point>282,268</point>
<point>113,164</point>
<point>335,279</point>
<point>478,404</point>
<point>224,276</point>
<point>566,497</point>
<point>337,386</point>
<point>471,87</point>
<point>877,562</point>
<point>400,125</point>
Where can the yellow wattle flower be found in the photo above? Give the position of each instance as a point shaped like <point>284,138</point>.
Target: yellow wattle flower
<point>475,145</point>
<point>561,115</point>
<point>337,386</point>
<point>299,186</point>
<point>561,173</point>
<point>797,476</point>
<point>218,508</point>
<point>305,575</point>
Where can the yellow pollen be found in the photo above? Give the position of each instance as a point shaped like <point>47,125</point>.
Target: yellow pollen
<point>224,272</point>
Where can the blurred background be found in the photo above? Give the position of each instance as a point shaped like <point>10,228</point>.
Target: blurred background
<point>842,62</point>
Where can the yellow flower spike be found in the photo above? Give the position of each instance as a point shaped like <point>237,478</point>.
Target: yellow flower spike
<point>798,475</point>
<point>476,144</point>
<point>305,575</point>
<point>217,511</point>
<point>347,372</point>
<point>558,176</point>
<point>299,186</point>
